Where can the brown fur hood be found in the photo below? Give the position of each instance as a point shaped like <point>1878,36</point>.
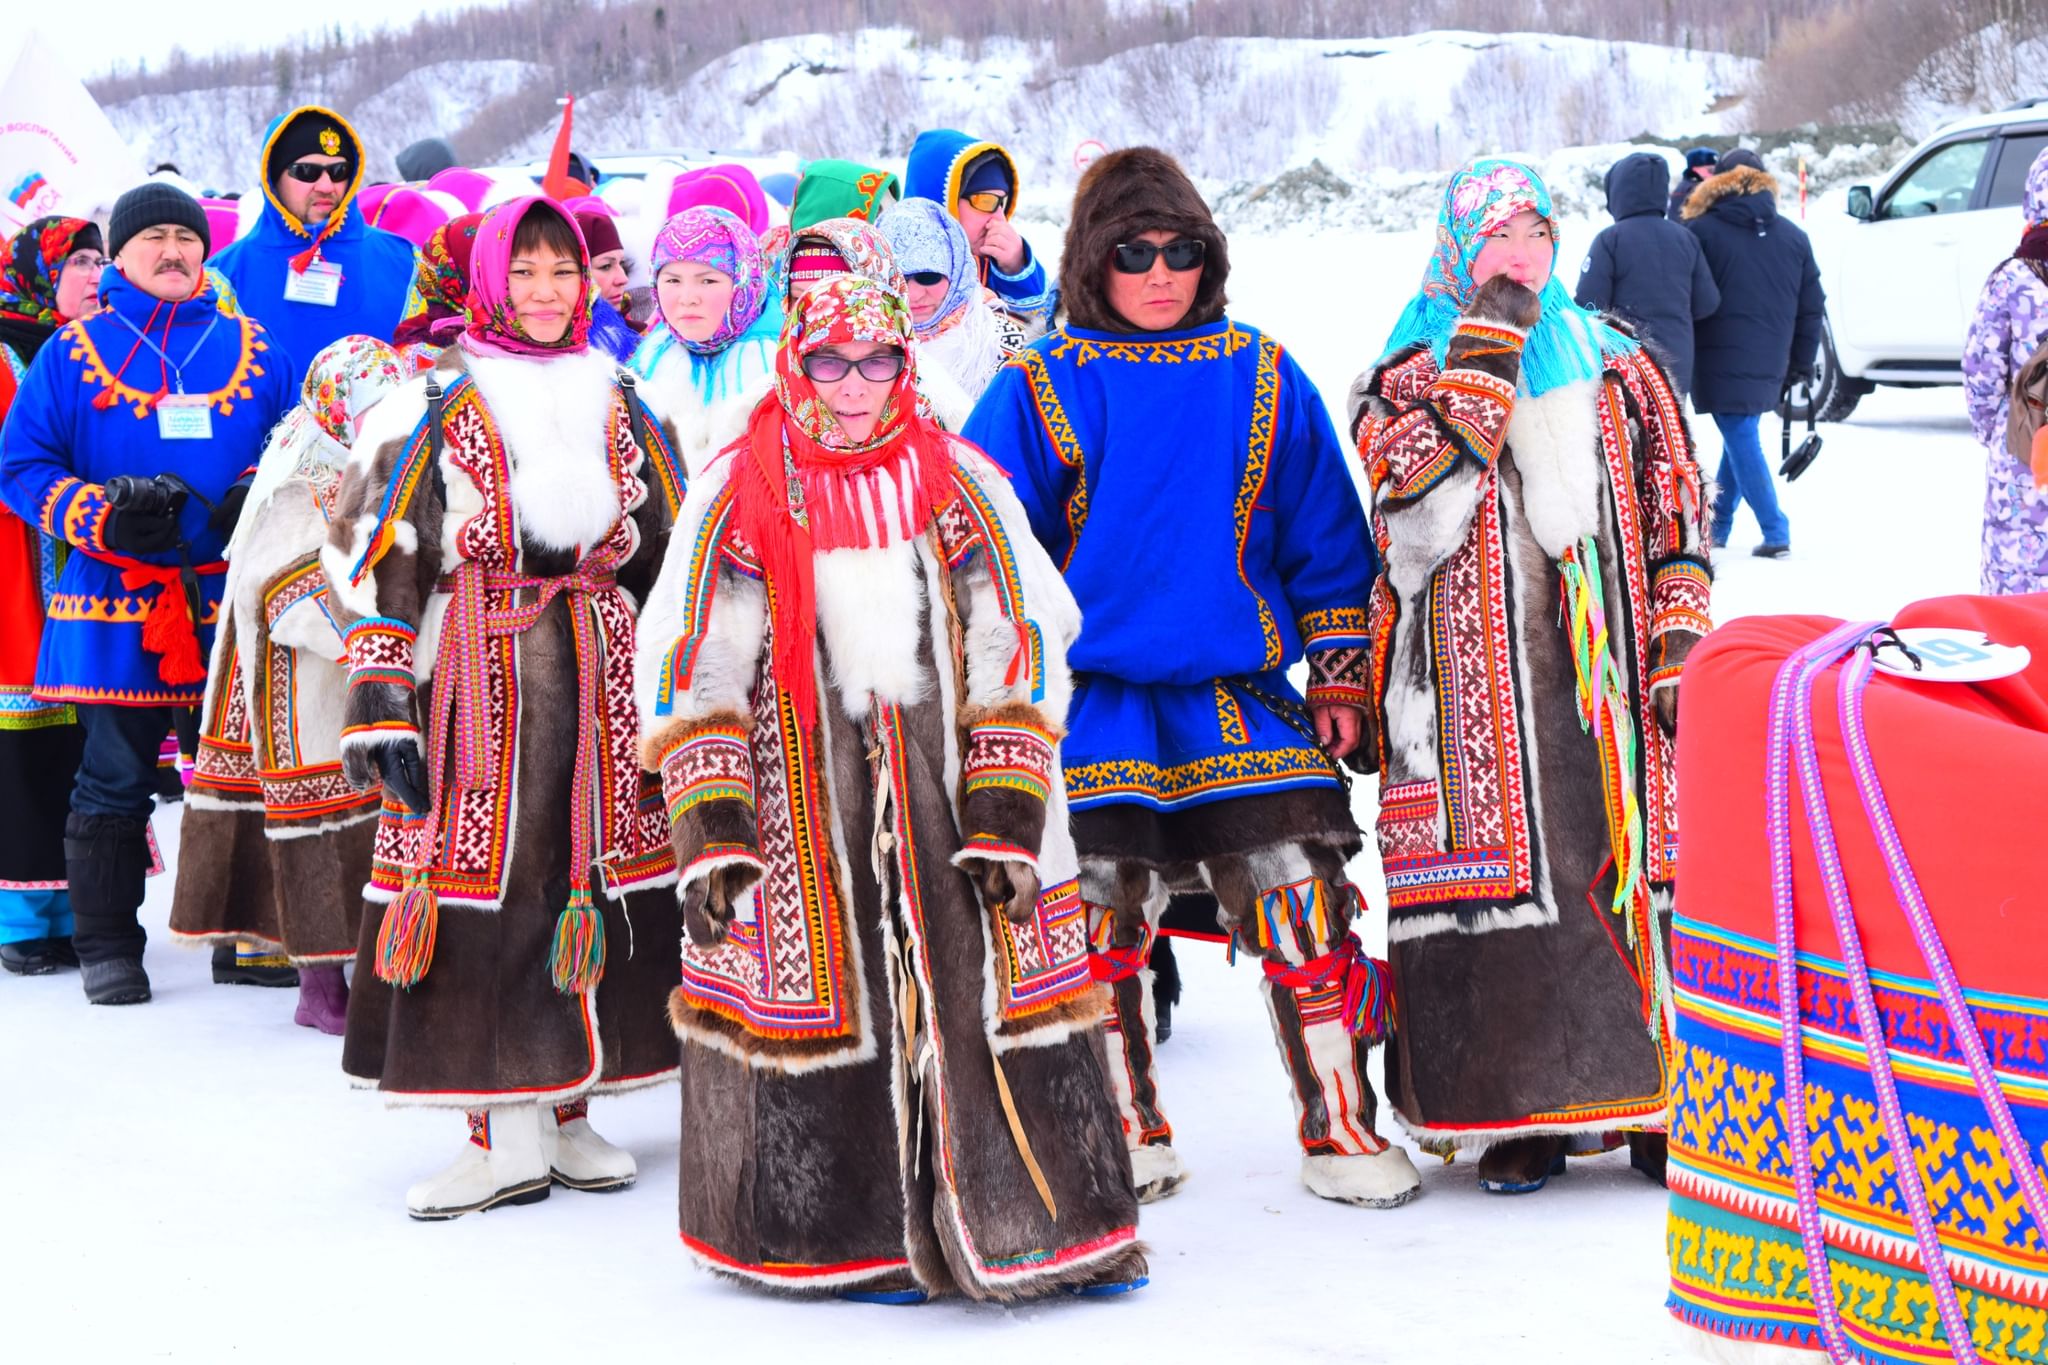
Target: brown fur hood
<point>1727,185</point>
<point>1129,191</point>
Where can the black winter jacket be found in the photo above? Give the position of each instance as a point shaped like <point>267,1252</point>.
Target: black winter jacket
<point>1647,271</point>
<point>1769,323</point>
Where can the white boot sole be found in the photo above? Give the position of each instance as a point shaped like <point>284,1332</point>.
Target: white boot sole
<point>1384,1180</point>
<point>531,1192</point>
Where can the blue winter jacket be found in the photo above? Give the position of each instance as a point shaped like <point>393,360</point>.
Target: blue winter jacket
<point>376,266</point>
<point>1769,323</point>
<point>938,160</point>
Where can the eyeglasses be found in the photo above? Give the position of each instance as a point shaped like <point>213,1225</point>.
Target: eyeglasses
<point>986,201</point>
<point>1135,258</point>
<point>879,368</point>
<point>85,260</point>
<point>927,277</point>
<point>309,172</point>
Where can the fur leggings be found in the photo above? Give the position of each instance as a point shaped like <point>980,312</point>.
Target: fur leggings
<point>1291,906</point>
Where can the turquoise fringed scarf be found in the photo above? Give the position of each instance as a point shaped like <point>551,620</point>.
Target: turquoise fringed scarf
<point>1566,345</point>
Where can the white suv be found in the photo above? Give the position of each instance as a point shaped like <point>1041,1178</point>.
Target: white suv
<point>1902,276</point>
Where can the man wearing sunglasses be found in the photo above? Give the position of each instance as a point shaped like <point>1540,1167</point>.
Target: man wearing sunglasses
<point>977,182</point>
<point>1185,474</point>
<point>311,270</point>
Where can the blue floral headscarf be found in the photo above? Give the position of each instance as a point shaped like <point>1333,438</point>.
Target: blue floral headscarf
<point>926,237</point>
<point>1567,344</point>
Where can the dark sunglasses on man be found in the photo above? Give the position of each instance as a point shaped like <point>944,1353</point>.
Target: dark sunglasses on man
<point>309,172</point>
<point>927,278</point>
<point>986,201</point>
<point>1182,254</point>
<point>879,368</point>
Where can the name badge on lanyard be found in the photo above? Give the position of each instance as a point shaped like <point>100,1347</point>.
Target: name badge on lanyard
<point>184,417</point>
<point>319,283</point>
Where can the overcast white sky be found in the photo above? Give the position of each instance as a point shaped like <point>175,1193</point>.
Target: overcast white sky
<point>102,32</point>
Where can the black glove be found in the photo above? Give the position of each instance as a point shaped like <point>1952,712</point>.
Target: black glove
<point>140,532</point>
<point>404,772</point>
<point>221,521</point>
<point>1795,378</point>
<point>710,902</point>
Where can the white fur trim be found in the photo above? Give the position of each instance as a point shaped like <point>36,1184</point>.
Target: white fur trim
<point>370,739</point>
<point>871,616</point>
<point>324,827</point>
<point>1554,441</point>
<point>1478,1139</point>
<point>553,418</point>
<point>1409,927</point>
<point>1382,1180</point>
<point>198,800</point>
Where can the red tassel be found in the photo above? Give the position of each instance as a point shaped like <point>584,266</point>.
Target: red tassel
<point>167,632</point>
<point>305,258</point>
<point>105,398</point>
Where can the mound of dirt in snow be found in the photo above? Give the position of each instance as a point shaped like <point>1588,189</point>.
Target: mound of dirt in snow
<point>1312,195</point>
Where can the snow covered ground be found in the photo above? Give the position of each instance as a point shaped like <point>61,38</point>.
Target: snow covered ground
<point>191,1180</point>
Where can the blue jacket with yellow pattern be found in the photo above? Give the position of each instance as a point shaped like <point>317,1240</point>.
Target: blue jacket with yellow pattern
<point>1193,490</point>
<point>85,413</point>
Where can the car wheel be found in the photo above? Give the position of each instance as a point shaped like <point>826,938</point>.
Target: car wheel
<point>1831,395</point>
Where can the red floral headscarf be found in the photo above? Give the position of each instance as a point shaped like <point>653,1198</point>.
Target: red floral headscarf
<point>803,487</point>
<point>28,278</point>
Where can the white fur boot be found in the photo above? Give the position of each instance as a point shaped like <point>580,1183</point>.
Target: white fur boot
<point>1383,1180</point>
<point>581,1160</point>
<point>504,1162</point>
<point>1156,1171</point>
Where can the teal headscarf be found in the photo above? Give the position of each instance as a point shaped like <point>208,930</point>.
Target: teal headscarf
<point>1566,345</point>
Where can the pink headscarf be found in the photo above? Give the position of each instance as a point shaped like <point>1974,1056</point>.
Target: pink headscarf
<point>730,187</point>
<point>492,328</point>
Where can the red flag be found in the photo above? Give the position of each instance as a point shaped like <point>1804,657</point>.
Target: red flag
<point>558,183</point>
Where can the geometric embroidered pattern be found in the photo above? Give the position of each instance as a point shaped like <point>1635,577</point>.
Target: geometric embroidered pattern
<point>711,765</point>
<point>1007,755</point>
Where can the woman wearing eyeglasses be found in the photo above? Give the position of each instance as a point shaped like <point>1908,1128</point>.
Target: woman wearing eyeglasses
<point>976,181</point>
<point>50,274</point>
<point>711,356</point>
<point>1185,473</point>
<point>312,271</point>
<point>485,557</point>
<point>853,679</point>
<point>961,325</point>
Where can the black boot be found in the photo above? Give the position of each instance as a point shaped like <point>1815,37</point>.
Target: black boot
<point>38,956</point>
<point>1165,987</point>
<point>1521,1165</point>
<point>232,968</point>
<point>1647,1152</point>
<point>106,858</point>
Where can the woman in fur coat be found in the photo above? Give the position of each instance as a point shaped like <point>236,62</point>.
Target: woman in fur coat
<point>853,678</point>
<point>1537,505</point>
<point>277,843</point>
<point>709,360</point>
<point>499,519</point>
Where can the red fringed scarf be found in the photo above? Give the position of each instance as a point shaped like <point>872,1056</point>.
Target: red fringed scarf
<point>800,488</point>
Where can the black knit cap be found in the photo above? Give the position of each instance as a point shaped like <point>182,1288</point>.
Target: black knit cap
<point>309,133</point>
<point>151,204</point>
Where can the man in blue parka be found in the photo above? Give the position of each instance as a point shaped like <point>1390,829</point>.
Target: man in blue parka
<point>173,395</point>
<point>311,270</point>
<point>977,182</point>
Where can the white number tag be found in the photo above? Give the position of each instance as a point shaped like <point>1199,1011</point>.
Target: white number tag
<point>1952,655</point>
<point>320,284</point>
<point>184,417</point>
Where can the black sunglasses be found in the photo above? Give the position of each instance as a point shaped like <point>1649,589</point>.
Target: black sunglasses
<point>927,277</point>
<point>878,368</point>
<point>1135,258</point>
<point>309,172</point>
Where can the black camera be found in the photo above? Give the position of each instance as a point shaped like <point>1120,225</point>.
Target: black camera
<point>158,497</point>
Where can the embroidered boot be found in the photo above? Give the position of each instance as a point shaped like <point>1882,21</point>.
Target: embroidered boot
<point>505,1161</point>
<point>580,1159</point>
<point>1121,946</point>
<point>323,999</point>
<point>1327,1007</point>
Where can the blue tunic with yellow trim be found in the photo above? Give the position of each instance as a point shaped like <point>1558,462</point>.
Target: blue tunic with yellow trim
<point>377,267</point>
<point>1193,489</point>
<point>58,450</point>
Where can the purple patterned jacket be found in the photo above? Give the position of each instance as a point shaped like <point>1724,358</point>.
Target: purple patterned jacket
<point>2011,322</point>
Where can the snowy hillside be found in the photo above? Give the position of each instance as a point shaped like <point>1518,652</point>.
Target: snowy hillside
<point>1232,109</point>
